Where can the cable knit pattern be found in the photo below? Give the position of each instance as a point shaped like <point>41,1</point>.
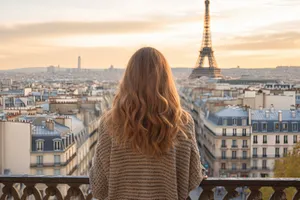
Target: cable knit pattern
<point>121,174</point>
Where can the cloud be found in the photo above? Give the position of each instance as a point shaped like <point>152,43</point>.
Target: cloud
<point>57,29</point>
<point>268,41</point>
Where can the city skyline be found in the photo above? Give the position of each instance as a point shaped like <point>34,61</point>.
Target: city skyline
<point>245,33</point>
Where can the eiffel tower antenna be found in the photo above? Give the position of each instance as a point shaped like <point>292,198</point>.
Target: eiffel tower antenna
<point>206,51</point>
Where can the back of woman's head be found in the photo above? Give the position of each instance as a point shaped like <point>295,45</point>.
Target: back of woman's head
<point>146,112</point>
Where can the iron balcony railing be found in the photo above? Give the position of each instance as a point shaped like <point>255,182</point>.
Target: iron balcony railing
<point>72,187</point>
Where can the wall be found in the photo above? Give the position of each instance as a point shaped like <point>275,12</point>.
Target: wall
<point>15,146</point>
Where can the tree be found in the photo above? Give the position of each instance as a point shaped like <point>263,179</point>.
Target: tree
<point>286,167</point>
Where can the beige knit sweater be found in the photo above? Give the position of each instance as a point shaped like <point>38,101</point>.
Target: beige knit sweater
<point>121,174</point>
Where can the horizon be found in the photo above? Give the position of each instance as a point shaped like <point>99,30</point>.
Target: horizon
<point>249,34</point>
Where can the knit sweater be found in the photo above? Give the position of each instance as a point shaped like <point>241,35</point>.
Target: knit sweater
<point>119,173</point>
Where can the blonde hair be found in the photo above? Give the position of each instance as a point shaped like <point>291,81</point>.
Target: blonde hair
<point>146,111</point>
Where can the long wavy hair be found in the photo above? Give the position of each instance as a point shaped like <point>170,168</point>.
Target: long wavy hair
<point>146,111</point>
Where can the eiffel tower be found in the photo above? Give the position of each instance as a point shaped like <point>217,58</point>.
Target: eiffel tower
<point>206,51</point>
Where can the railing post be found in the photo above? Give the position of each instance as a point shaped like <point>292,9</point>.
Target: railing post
<point>9,190</point>
<point>52,191</point>
<point>279,194</point>
<point>74,191</point>
<point>297,195</point>
<point>255,193</point>
<point>30,189</point>
<point>207,193</point>
<point>231,193</point>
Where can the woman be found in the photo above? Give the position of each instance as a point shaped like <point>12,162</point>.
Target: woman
<point>146,147</point>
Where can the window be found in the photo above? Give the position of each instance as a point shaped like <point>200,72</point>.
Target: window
<point>264,164</point>
<point>295,140</point>
<point>244,154</point>
<point>39,172</point>
<point>255,164</point>
<point>265,139</point>
<point>56,172</point>
<point>223,154</point>
<point>254,152</point>
<point>285,139</point>
<point>277,139</point>
<point>234,132</point>
<point>285,151</point>
<point>223,166</point>
<point>223,143</point>
<point>264,152</point>
<point>276,126</point>
<point>56,159</point>
<point>277,154</point>
<point>264,127</point>
<point>234,143</point>
<point>244,132</point>
<point>295,127</point>
<point>245,145</point>
<point>224,131</point>
<point>255,139</point>
<point>224,122</point>
<point>233,166</point>
<point>244,122</point>
<point>57,144</point>
<point>39,145</point>
<point>244,166</point>
<point>233,154</point>
<point>39,160</point>
<point>284,127</point>
<point>234,121</point>
<point>254,127</point>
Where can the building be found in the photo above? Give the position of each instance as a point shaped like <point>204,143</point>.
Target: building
<point>79,63</point>
<point>241,142</point>
<point>274,133</point>
<point>224,139</point>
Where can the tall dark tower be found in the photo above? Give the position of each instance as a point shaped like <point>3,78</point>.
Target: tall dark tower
<point>79,63</point>
<point>206,51</point>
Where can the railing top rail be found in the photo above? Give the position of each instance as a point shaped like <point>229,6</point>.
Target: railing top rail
<point>238,182</point>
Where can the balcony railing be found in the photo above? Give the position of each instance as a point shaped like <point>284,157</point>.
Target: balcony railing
<point>78,187</point>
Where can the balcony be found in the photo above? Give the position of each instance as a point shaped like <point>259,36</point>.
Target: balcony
<point>77,187</point>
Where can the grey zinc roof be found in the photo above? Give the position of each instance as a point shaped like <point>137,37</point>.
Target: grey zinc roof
<point>232,112</point>
<point>286,115</point>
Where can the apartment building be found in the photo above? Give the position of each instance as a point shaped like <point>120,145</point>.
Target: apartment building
<point>224,139</point>
<point>240,142</point>
<point>274,133</point>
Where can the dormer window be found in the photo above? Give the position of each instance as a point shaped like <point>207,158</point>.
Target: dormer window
<point>40,145</point>
<point>234,122</point>
<point>57,144</point>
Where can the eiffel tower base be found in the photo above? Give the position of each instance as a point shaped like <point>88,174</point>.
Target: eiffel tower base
<point>210,72</point>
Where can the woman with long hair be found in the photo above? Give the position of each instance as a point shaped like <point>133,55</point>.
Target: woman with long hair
<point>146,146</point>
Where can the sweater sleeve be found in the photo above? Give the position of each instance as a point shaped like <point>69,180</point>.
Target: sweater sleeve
<point>195,176</point>
<point>100,168</point>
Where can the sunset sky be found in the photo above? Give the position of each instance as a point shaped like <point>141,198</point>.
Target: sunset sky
<point>248,33</point>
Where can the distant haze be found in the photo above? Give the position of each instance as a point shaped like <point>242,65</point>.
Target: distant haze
<point>245,33</point>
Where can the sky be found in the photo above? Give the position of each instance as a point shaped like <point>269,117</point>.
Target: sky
<point>245,33</point>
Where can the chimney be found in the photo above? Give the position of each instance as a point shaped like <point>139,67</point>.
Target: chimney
<point>86,118</point>
<point>250,116</point>
<point>50,124</point>
<point>272,109</point>
<point>280,116</point>
<point>267,114</point>
<point>293,114</point>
